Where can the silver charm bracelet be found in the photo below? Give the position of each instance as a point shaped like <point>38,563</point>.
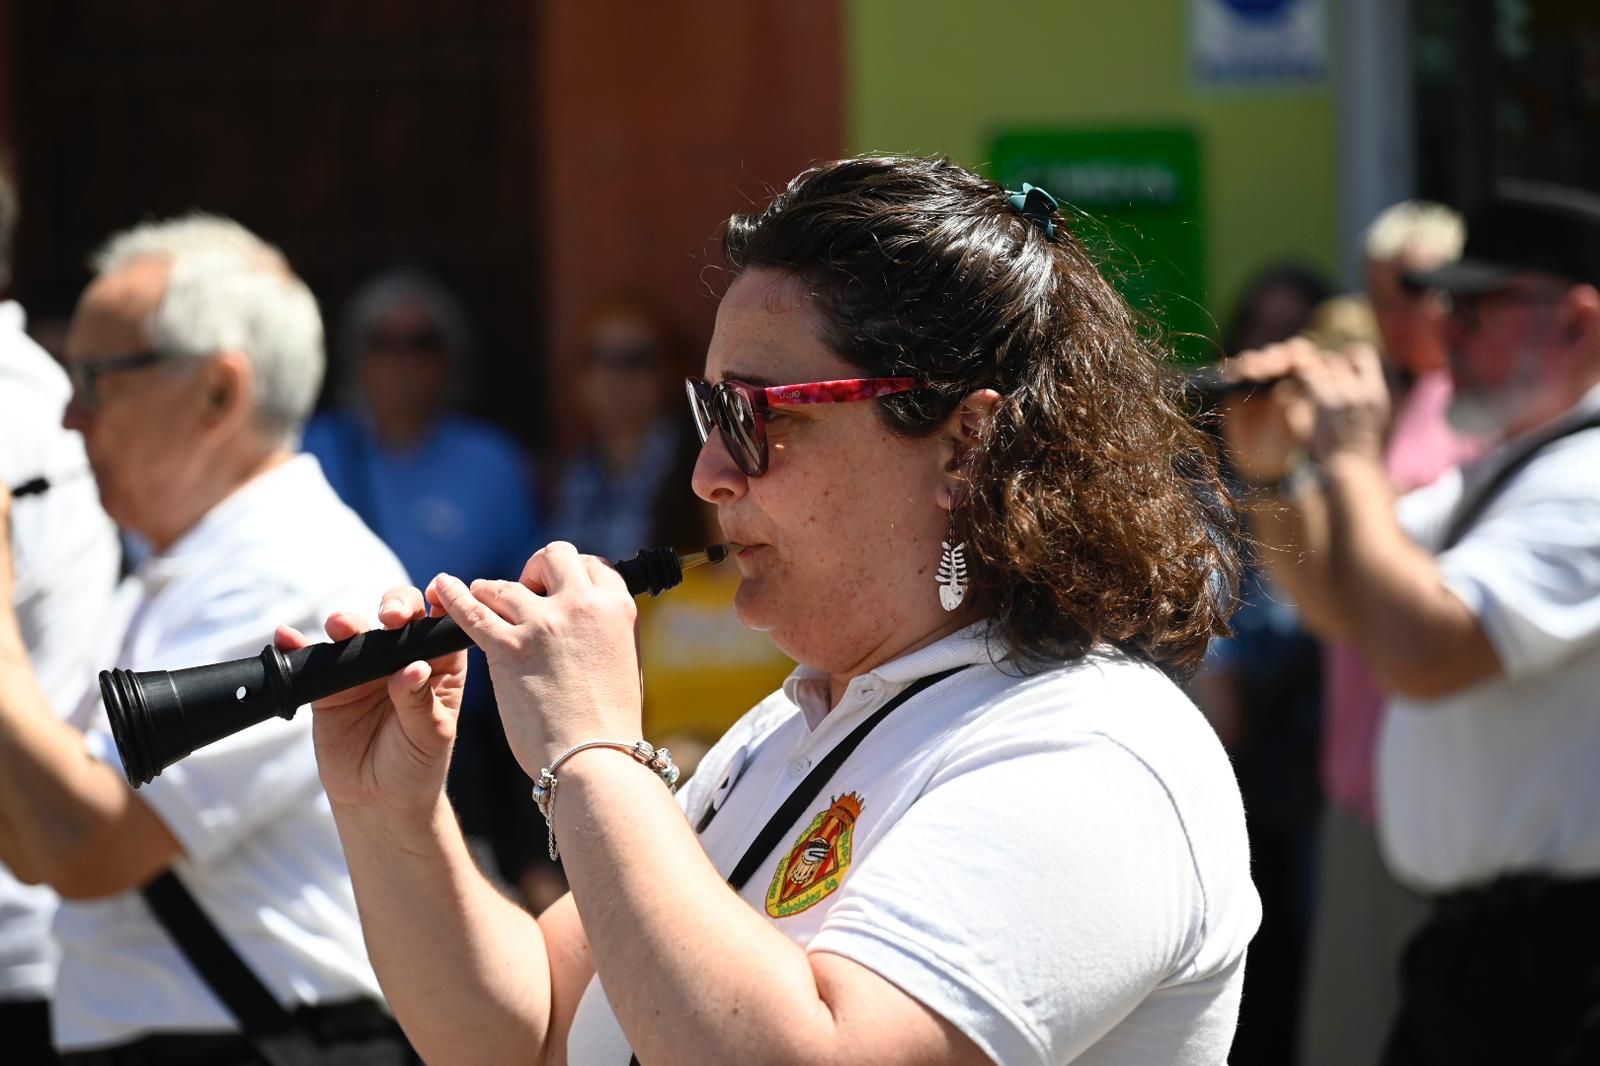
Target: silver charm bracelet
<point>544,790</point>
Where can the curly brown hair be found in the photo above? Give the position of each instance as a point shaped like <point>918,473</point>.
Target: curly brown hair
<point>1094,512</point>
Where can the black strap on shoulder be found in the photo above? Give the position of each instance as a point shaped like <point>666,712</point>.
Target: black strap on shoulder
<point>800,800</point>
<point>1469,513</point>
<point>272,1030</point>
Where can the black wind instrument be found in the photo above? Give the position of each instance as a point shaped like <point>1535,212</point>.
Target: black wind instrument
<point>160,716</point>
<point>1209,382</point>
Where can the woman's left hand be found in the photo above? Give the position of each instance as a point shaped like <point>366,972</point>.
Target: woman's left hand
<point>561,651</point>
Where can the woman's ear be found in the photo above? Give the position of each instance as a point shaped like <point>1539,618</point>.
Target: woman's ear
<point>962,431</point>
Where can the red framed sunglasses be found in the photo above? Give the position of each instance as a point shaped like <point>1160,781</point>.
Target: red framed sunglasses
<point>739,410</point>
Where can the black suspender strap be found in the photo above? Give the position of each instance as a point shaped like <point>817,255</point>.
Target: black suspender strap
<point>799,801</point>
<point>274,1032</point>
<point>1469,512</point>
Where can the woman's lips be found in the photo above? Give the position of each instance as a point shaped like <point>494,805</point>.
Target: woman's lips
<point>738,546</point>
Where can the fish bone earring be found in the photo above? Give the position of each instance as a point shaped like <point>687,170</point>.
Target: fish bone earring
<point>952,575</point>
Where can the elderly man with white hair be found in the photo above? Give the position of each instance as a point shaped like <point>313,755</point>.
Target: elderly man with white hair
<point>208,917</point>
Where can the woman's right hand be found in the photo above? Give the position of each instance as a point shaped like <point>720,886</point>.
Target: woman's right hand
<point>385,746</point>
<point>1264,427</point>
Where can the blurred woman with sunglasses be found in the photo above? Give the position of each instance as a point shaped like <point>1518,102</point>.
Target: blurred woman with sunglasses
<point>627,483</point>
<point>979,822</point>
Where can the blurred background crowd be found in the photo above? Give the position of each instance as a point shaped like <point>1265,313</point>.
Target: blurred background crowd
<point>507,212</point>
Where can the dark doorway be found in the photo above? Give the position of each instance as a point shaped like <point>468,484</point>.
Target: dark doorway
<point>1506,88</point>
<point>353,134</point>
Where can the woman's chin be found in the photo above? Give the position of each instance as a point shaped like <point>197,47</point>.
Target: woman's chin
<point>752,610</point>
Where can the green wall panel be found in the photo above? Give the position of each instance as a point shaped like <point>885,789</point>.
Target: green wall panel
<point>946,76</point>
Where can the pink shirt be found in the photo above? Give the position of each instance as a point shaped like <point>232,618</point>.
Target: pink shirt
<point>1421,447</point>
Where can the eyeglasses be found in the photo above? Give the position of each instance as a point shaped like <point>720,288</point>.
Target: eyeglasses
<point>739,410</point>
<point>1466,309</point>
<point>86,375</point>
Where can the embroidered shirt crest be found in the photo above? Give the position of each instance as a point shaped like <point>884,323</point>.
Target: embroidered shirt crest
<point>818,861</point>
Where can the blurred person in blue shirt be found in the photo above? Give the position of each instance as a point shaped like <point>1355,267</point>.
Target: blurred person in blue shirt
<point>447,493</point>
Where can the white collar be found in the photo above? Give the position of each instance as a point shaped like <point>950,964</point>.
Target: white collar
<point>271,495</point>
<point>807,687</point>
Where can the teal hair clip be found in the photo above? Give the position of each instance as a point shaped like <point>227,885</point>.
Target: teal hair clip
<point>1037,206</point>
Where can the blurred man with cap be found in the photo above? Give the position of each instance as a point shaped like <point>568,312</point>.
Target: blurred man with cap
<point>1475,602</point>
<point>208,918</point>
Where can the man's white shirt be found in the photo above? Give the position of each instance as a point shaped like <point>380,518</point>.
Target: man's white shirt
<point>65,554</point>
<point>262,857</point>
<point>1504,777</point>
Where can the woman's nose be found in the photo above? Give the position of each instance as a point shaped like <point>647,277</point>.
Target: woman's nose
<point>717,478</point>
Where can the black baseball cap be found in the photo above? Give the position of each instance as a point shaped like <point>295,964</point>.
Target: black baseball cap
<point>1525,228</point>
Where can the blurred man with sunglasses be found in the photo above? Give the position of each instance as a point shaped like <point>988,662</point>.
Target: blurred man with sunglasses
<point>208,918</point>
<point>627,483</point>
<point>1475,602</point>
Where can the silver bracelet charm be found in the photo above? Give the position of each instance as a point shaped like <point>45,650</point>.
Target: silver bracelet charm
<point>658,760</point>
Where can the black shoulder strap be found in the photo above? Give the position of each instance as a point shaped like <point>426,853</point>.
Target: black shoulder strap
<point>1468,513</point>
<point>271,1030</point>
<point>800,799</point>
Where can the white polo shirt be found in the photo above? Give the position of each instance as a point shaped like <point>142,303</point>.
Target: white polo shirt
<point>65,554</point>
<point>261,853</point>
<point>1504,777</point>
<point>1056,864</point>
